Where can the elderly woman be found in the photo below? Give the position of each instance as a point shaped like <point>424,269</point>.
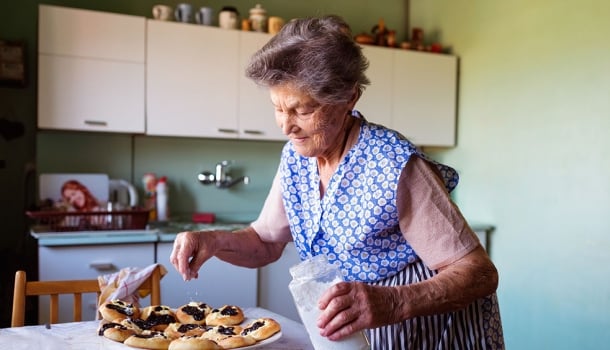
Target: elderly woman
<point>415,274</point>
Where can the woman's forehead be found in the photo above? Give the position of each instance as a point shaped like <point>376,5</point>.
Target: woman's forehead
<point>289,96</point>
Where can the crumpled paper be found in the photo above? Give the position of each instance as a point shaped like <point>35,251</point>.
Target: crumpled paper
<point>124,284</point>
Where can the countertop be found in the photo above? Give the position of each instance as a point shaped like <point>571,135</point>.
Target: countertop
<point>154,233</point>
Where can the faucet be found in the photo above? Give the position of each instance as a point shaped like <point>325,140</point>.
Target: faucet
<point>222,178</point>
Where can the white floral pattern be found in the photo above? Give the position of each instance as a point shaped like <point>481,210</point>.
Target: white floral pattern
<point>355,224</point>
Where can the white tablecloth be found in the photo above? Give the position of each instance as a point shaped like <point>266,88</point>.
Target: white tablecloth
<point>83,335</point>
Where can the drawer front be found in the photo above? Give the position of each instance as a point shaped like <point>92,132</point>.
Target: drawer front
<point>86,262</point>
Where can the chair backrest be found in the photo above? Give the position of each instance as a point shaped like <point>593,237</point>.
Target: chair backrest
<point>25,288</point>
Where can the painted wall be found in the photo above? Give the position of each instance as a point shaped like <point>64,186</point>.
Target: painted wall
<point>534,157</point>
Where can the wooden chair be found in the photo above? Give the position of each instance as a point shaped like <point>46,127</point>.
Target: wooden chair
<point>25,288</point>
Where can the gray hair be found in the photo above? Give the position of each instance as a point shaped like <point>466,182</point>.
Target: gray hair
<point>315,55</point>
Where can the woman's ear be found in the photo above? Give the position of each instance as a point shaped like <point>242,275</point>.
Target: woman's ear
<point>355,97</point>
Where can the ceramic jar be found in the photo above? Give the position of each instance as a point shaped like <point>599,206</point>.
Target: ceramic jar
<point>258,19</point>
<point>228,18</point>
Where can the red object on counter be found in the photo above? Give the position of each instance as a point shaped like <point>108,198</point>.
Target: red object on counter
<point>204,218</point>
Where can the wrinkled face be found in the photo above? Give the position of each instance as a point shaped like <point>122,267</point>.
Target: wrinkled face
<point>314,129</point>
<point>75,197</point>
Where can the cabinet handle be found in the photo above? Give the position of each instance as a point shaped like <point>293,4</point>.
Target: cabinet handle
<point>253,132</point>
<point>227,131</point>
<point>103,266</point>
<point>96,122</point>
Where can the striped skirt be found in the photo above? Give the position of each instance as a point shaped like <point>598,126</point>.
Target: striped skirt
<point>478,326</point>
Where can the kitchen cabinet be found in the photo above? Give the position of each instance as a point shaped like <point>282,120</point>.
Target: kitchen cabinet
<point>192,74</point>
<point>219,283</point>
<point>256,113</point>
<point>273,284</point>
<point>376,101</point>
<point>87,262</point>
<point>414,93</point>
<point>196,85</point>
<point>90,70</point>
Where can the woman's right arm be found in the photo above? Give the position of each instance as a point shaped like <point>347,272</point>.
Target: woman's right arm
<point>242,248</point>
<point>257,245</point>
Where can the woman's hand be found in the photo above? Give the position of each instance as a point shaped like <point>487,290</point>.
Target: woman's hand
<point>352,306</point>
<point>241,248</point>
<point>349,307</point>
<point>191,250</point>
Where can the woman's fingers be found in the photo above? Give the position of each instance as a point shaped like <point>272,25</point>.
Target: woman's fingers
<point>349,307</point>
<point>184,255</point>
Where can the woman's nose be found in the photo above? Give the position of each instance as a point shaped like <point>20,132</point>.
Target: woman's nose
<point>287,123</point>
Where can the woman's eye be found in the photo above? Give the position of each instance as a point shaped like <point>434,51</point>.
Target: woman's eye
<point>305,113</point>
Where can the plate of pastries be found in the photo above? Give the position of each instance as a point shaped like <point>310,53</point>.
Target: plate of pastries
<point>193,326</point>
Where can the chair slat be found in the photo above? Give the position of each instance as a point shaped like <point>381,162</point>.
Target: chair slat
<point>54,308</point>
<point>77,307</point>
<point>24,288</point>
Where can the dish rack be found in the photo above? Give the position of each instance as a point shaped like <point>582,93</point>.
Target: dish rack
<point>66,221</point>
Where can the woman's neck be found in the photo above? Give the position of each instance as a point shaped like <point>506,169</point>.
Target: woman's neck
<point>329,164</point>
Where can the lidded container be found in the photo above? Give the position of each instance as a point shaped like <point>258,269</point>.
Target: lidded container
<point>228,17</point>
<point>258,19</point>
<point>310,279</point>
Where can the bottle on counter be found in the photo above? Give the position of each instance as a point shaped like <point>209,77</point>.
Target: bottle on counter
<point>162,192</point>
<point>310,279</point>
<point>149,181</point>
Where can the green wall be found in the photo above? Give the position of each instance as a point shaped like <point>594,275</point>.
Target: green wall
<point>534,157</point>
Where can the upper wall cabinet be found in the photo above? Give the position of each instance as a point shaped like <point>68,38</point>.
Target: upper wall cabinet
<point>412,92</point>
<point>191,80</point>
<point>256,113</point>
<point>90,70</point>
<point>196,85</point>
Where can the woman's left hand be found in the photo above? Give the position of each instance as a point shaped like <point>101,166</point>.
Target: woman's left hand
<point>348,307</point>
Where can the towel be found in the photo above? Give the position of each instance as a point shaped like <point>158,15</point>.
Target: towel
<point>124,284</point>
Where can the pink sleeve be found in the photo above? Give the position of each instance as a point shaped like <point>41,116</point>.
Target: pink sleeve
<point>272,223</point>
<point>430,222</point>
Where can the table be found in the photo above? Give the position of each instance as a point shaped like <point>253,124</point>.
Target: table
<point>83,335</point>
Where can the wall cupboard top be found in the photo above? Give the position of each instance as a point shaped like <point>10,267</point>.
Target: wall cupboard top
<point>111,72</point>
<point>93,34</point>
<point>412,92</point>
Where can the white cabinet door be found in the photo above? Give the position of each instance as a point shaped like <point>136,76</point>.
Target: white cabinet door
<point>91,95</point>
<point>219,283</point>
<point>192,80</point>
<point>91,70</point>
<point>376,101</point>
<point>424,97</point>
<point>256,114</point>
<point>273,284</point>
<point>86,262</point>
<point>93,34</point>
<point>412,92</point>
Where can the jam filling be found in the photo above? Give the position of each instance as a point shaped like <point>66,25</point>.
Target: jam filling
<point>227,311</point>
<point>154,320</point>
<point>106,326</point>
<point>124,309</point>
<point>256,325</point>
<point>226,330</point>
<point>194,311</point>
<point>187,327</point>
